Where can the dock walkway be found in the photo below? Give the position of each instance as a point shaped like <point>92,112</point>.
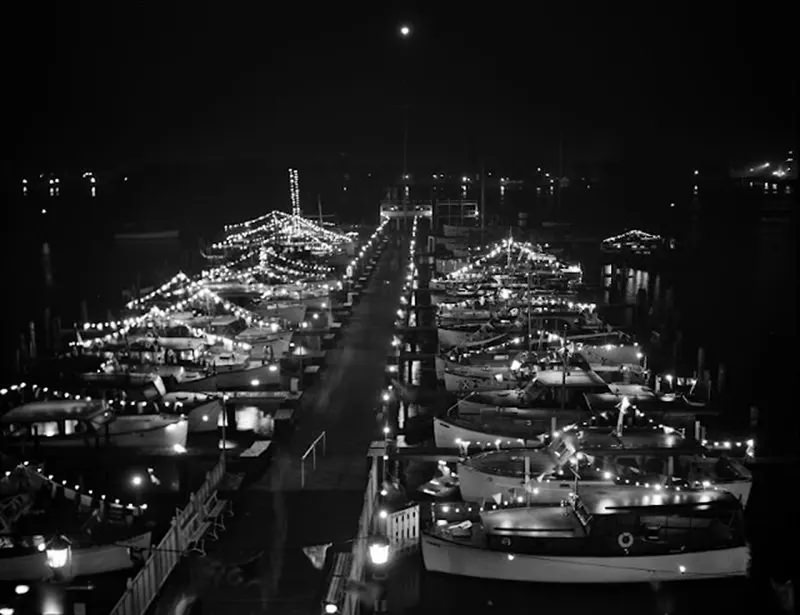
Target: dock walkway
<point>275,518</point>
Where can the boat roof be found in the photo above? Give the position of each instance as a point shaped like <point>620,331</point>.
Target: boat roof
<point>619,499</point>
<point>54,410</point>
<point>502,428</point>
<point>645,400</point>
<point>575,378</point>
<point>535,521</point>
<point>512,461</point>
<point>220,321</point>
<point>587,438</point>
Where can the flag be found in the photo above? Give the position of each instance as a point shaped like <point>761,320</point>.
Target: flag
<point>316,554</point>
<point>497,497</point>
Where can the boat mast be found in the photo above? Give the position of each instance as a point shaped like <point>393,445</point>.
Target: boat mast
<point>527,471</point>
<point>623,405</point>
<point>530,339</point>
<point>564,370</point>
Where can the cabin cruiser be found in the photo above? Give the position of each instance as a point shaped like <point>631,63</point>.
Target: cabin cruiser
<point>600,457</point>
<point>89,423</point>
<point>546,389</point>
<point>480,363</point>
<point>630,535</point>
<point>500,380</point>
<point>486,433</point>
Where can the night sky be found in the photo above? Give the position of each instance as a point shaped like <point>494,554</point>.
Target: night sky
<point>299,83</point>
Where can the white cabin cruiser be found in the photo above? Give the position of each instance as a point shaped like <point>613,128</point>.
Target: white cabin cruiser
<point>89,423</point>
<point>598,457</point>
<point>632,535</point>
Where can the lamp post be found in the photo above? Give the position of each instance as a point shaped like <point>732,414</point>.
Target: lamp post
<point>379,551</point>
<point>59,557</point>
<point>379,554</point>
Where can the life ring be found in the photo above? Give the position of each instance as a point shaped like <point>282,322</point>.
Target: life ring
<point>625,540</point>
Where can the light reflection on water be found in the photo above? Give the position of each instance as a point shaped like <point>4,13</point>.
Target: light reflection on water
<point>627,286</point>
<point>422,592</point>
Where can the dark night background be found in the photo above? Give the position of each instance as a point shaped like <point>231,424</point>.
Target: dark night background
<point>653,90</point>
<point>203,107</point>
<point>189,115</point>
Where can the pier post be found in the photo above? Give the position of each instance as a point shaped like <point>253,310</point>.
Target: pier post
<point>701,359</point>
<point>32,340</point>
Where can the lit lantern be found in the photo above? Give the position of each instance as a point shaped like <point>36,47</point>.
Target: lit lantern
<point>58,552</point>
<point>379,550</point>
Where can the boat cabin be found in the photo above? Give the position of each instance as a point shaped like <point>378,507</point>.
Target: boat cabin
<point>57,420</point>
<point>548,387</point>
<point>626,521</point>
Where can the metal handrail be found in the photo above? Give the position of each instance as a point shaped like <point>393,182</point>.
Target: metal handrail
<point>312,450</point>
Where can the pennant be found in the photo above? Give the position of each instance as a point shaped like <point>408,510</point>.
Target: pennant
<point>497,497</point>
<point>316,554</point>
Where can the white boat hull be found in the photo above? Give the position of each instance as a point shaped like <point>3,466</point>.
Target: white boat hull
<point>450,435</point>
<point>451,558</point>
<point>478,370</point>
<point>85,561</point>
<point>477,486</point>
<point>148,431</point>
<point>203,415</point>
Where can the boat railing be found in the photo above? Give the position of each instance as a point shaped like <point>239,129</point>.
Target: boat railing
<point>144,587</point>
<point>358,561</point>
<point>322,439</point>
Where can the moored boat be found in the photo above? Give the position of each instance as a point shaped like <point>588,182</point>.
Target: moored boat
<point>630,536</point>
<point>88,423</point>
<point>600,458</point>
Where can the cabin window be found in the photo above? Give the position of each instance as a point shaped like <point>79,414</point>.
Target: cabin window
<point>47,429</point>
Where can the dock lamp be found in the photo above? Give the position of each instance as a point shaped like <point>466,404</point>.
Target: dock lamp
<point>378,547</point>
<point>59,554</point>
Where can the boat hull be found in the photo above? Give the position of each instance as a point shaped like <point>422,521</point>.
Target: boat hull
<point>448,557</point>
<point>451,435</point>
<point>148,431</point>
<point>85,561</point>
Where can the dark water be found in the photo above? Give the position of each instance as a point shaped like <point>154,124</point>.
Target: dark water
<point>729,290</point>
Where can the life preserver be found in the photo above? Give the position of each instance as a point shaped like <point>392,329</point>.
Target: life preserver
<point>625,540</point>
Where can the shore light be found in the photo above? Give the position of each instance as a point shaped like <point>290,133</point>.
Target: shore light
<point>58,551</point>
<point>379,550</point>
